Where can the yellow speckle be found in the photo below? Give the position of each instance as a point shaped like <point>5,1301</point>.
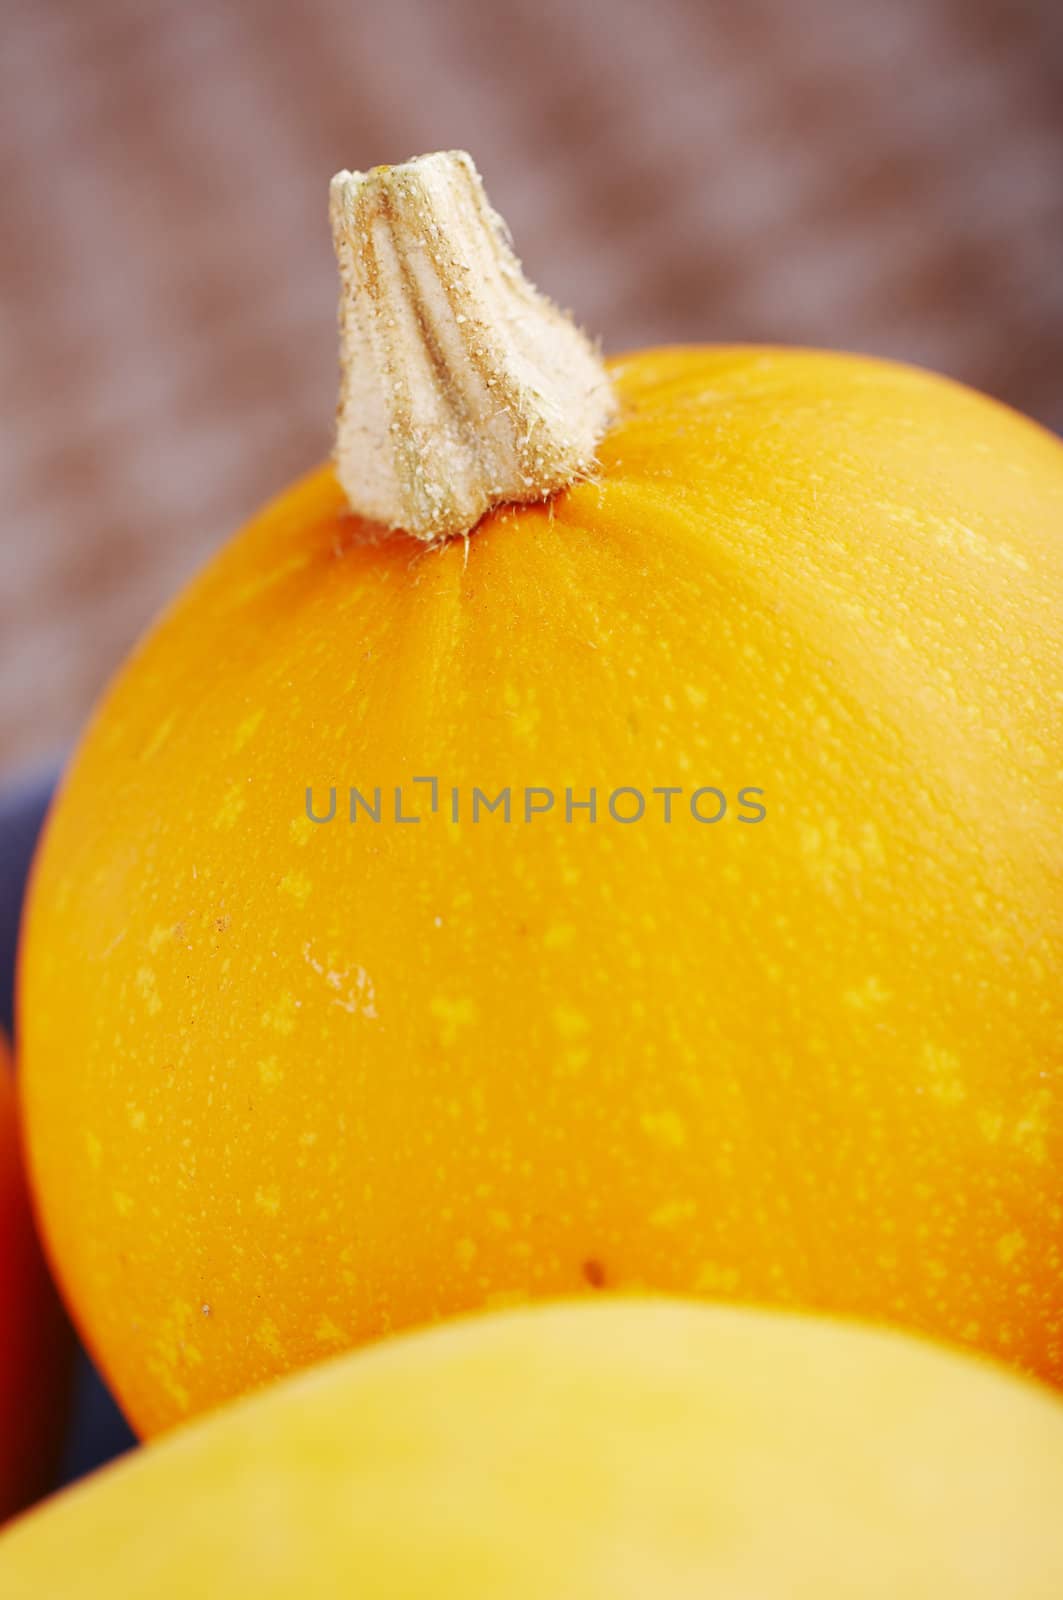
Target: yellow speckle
<point>1009,1246</point>
<point>1029,1133</point>
<point>148,987</point>
<point>713,1279</point>
<point>247,729</point>
<point>871,846</point>
<point>280,1016</point>
<point>270,1072</point>
<point>466,1252</point>
<point>990,1125</point>
<point>828,857</point>
<point>137,1118</point>
<point>233,802</point>
<point>504,1299</point>
<point>570,1024</point>
<point>453,1015</point>
<point>673,1213</point>
<point>867,995</point>
<point>327,1332</point>
<point>268,1199</point>
<point>268,1336</point>
<point>122,1202</point>
<point>696,696</point>
<point>500,1220</point>
<point>559,936</point>
<point>666,1127</point>
<point>945,1076</point>
<point>176,1391</point>
<point>159,737</point>
<point>521,710</point>
<point>94,1149</point>
<point>299,830</point>
<point>161,934</point>
<point>298,885</point>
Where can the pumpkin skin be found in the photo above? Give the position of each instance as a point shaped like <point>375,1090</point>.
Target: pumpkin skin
<point>612,1451</point>
<point>314,1082</point>
<point>34,1335</point>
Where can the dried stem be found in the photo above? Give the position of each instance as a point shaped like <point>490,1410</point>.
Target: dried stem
<point>462,386</point>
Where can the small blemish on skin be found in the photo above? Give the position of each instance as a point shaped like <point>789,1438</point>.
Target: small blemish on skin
<point>594,1273</point>
<point>354,987</point>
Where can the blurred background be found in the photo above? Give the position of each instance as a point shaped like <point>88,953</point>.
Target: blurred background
<point>885,175</point>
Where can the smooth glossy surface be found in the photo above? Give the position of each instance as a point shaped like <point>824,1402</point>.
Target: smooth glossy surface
<point>599,1453</point>
<point>293,1085</point>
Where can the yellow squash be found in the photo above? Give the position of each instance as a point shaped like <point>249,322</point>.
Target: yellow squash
<point>293,1083</point>
<point>596,1453</point>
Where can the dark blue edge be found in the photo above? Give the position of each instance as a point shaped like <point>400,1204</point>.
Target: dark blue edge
<point>96,1430</point>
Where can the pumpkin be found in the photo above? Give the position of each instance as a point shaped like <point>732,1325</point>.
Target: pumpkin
<point>34,1336</point>
<point>608,1451</point>
<point>324,1039</point>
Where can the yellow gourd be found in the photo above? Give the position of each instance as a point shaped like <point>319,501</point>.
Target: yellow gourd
<point>294,1083</point>
<point>594,1453</point>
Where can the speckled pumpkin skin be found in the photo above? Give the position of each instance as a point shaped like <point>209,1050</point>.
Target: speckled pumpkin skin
<point>290,1085</point>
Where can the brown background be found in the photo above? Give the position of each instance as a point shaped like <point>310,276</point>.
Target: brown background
<point>885,176</point>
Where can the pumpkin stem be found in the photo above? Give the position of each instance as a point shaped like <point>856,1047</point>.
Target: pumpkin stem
<point>462,386</point>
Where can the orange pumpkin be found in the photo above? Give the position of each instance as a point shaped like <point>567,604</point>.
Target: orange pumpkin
<point>615,1451</point>
<point>294,1083</point>
<point>34,1336</point>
